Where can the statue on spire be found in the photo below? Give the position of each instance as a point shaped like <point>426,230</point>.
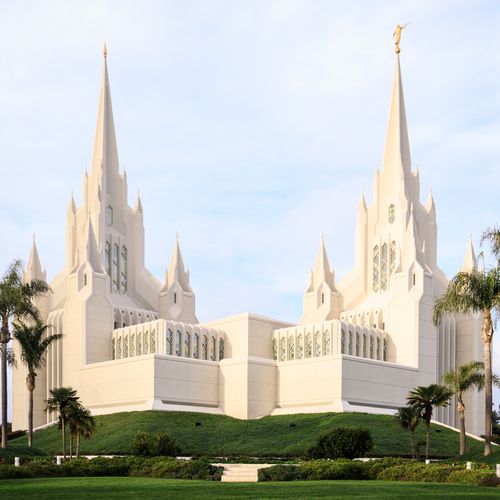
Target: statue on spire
<point>397,36</point>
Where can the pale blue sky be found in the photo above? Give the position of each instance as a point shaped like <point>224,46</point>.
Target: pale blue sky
<point>249,127</point>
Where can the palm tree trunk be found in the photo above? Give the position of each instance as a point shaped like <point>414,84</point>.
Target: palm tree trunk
<point>487,334</point>
<point>63,429</point>
<point>412,443</point>
<point>70,444</point>
<point>78,445</point>
<point>30,419</point>
<point>3,343</point>
<point>463,443</point>
<point>427,438</point>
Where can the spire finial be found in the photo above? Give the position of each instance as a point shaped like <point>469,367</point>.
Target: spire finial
<point>105,51</point>
<point>397,36</point>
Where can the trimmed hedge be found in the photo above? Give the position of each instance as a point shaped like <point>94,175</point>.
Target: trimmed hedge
<point>333,469</point>
<point>478,477</point>
<point>342,442</point>
<point>421,472</point>
<point>280,473</point>
<point>119,466</point>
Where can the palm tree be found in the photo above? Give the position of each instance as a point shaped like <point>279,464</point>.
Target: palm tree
<point>409,417</point>
<point>33,349</point>
<point>81,423</point>
<point>425,399</point>
<point>61,399</point>
<point>462,379</point>
<point>16,301</point>
<point>475,292</point>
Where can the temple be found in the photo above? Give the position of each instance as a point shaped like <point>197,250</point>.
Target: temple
<point>133,342</point>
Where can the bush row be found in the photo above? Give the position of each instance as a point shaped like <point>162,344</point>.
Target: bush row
<point>161,467</point>
<point>388,469</point>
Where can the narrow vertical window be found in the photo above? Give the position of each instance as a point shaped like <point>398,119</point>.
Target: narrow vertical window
<point>115,278</point>
<point>365,345</point>
<point>385,350</point>
<point>221,349</point>
<point>392,257</point>
<point>109,215</point>
<point>291,347</point>
<point>139,344</point>
<point>274,348</point>
<point>204,347</point>
<point>326,343</point>
<point>342,341</point>
<point>282,348</point>
<point>119,351</point>
<point>169,342</point>
<point>309,348</point>
<point>357,343</point>
<point>125,347</point>
<point>132,345</point>
<point>187,345</point>
<point>123,269</point>
<point>391,215</point>
<point>175,297</point>
<point>196,346</point>
<point>113,353</point>
<point>376,269</point>
<point>371,346</point>
<point>146,342</point>
<point>383,268</point>
<point>378,348</point>
<point>153,342</point>
<point>178,343</point>
<point>322,297</point>
<point>212,348</point>
<point>317,344</point>
<point>350,343</point>
<point>300,347</point>
<point>107,257</point>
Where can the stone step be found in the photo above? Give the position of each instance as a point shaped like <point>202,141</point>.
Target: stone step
<point>241,473</point>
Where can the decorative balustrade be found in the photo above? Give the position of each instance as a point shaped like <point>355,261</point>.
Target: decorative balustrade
<point>169,338</point>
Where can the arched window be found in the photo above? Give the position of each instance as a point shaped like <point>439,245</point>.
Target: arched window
<point>357,343</point>
<point>187,345</point>
<point>221,349</point>
<point>274,347</point>
<point>291,347</point>
<point>123,269</point>
<point>139,344</point>
<point>371,346</point>
<point>125,347</point>
<point>146,342</point>
<point>153,342</point>
<point>350,351</point>
<point>300,346</point>
<point>113,353</point>
<point>376,268</point>
<point>365,344</point>
<point>107,257</point>
<point>317,344</point>
<point>196,347</point>
<point>342,341</point>
<point>204,347</point>
<point>212,348</point>
<point>178,343</point>
<point>282,348</point>
<point>383,268</point>
<point>392,257</point>
<point>391,215</point>
<point>309,347</point>
<point>169,341</point>
<point>109,215</point>
<point>115,282</point>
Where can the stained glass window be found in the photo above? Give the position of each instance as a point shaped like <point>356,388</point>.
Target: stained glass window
<point>317,344</point>
<point>169,341</point>
<point>357,344</point>
<point>187,344</point>
<point>146,342</point>
<point>392,257</point>
<point>178,343</point>
<point>365,344</point>
<point>153,342</point>
<point>350,343</point>
<point>204,347</point>
<point>371,346</point>
<point>342,341</point>
<point>275,348</point>
<point>212,348</point>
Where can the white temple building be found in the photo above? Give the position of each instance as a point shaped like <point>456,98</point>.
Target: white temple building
<point>133,342</point>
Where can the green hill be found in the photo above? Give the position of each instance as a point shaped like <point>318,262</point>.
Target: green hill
<point>217,435</point>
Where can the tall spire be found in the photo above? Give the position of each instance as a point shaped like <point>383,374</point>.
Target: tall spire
<point>177,272</point>
<point>470,262</point>
<point>33,269</point>
<point>322,271</point>
<point>397,145</point>
<point>105,155</point>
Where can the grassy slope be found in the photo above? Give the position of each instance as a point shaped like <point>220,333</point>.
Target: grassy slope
<point>134,487</point>
<point>225,436</point>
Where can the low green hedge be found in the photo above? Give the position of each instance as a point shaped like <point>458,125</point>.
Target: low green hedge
<point>119,466</point>
<point>280,473</point>
<point>479,477</point>
<point>432,473</point>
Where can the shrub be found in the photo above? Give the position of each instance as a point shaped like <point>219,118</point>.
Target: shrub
<point>432,473</point>
<point>141,444</point>
<point>342,442</point>
<point>478,477</point>
<point>374,467</point>
<point>335,469</point>
<point>185,469</point>
<point>280,473</point>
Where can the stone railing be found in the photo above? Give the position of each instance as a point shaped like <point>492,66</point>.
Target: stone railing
<point>169,338</point>
<point>328,338</point>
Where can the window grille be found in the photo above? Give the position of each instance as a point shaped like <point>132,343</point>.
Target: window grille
<point>169,340</point>
<point>357,343</point>
<point>300,346</point>
<point>187,344</point>
<point>392,257</point>
<point>275,348</point>
<point>123,269</point>
<point>383,268</point>
<point>350,343</point>
<point>107,257</point>
<point>125,347</point>
<point>391,216</point>
<point>146,342</point>
<point>317,344</point>
<point>115,282</point>
<point>178,343</point>
<point>282,349</point>
<point>204,347</point>
<point>291,347</point>
<point>371,346</point>
<point>385,349</point>
<point>221,349</point>
<point>365,345</point>
<point>326,343</point>
<point>376,269</point>
<point>153,342</point>
<point>212,348</point>
<point>113,353</point>
<point>378,348</point>
<point>119,353</point>
<point>139,344</point>
<point>196,347</point>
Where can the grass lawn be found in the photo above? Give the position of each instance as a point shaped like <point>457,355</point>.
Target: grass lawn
<point>131,487</point>
<point>218,435</point>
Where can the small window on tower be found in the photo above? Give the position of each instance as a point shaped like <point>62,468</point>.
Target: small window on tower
<point>175,298</point>
<point>322,297</point>
<point>392,213</point>
<point>109,215</point>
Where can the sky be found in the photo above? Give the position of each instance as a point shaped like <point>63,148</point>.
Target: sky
<point>249,127</point>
